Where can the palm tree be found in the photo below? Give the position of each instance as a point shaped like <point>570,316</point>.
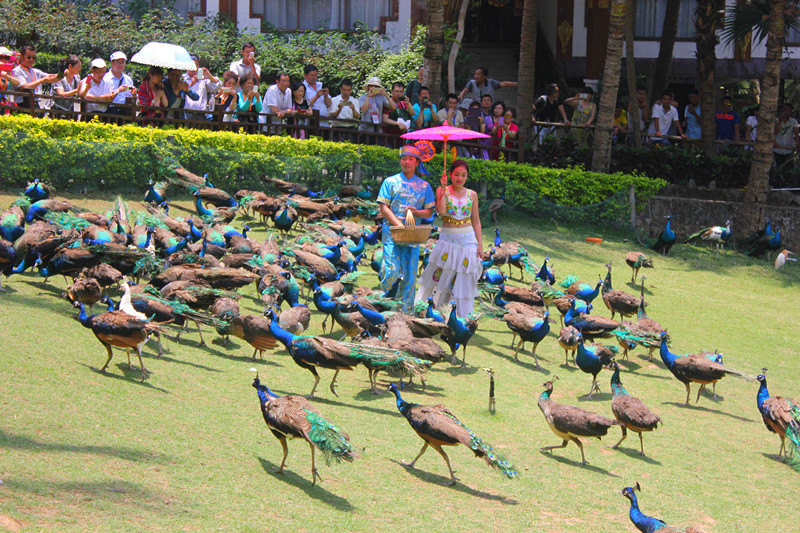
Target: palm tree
<point>451,62</point>
<point>601,156</point>
<point>434,48</point>
<point>707,20</point>
<point>630,70</point>
<point>767,19</point>
<point>527,65</point>
<point>668,32</point>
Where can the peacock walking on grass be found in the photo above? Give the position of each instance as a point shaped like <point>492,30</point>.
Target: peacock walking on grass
<point>719,235</point>
<point>437,426</point>
<point>462,330</point>
<point>293,417</point>
<point>648,524</point>
<point>665,239</point>
<point>570,422</point>
<point>782,416</point>
<point>630,411</point>
<point>591,360</point>
<point>637,260</point>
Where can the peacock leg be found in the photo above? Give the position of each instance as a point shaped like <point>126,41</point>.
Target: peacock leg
<point>593,387</point>
<point>333,383</point>
<point>160,348</point>
<point>314,467</point>
<point>513,339</point>
<point>447,462</point>
<point>566,357</point>
<point>285,446</point>
<point>464,357</point>
<point>255,350</point>
<point>548,448</point>
<point>202,342</point>
<point>128,353</point>
<point>521,343</point>
<point>580,445</point>
<point>453,360</point>
<point>714,389</point>
<point>110,355</point>
<point>535,357</point>
<point>316,382</point>
<point>624,436</point>
<point>650,355</point>
<point>625,353</point>
<point>145,372</point>
<point>783,446</point>
<point>412,463</point>
<point>688,391</point>
<point>641,443</point>
<point>699,392</point>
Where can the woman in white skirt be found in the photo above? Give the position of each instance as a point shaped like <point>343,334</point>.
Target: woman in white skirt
<point>455,263</point>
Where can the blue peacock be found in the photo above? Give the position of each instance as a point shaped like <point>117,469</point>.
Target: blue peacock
<point>781,416</point>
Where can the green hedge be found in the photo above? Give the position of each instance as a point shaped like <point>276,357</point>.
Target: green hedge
<point>71,154</point>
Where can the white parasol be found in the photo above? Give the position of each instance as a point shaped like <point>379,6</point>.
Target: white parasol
<point>164,55</point>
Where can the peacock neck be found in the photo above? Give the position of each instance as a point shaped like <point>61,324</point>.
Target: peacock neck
<point>666,356</point>
<point>281,334</point>
<point>616,385</point>
<point>763,394</point>
<point>607,283</point>
<point>402,405</point>
<point>263,395</point>
<point>86,321</point>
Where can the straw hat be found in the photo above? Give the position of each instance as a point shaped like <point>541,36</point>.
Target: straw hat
<point>373,81</point>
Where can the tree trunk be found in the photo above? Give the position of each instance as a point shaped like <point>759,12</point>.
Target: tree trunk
<point>527,67</point>
<point>630,69</point>
<point>707,21</point>
<point>668,32</point>
<point>755,196</point>
<point>451,63</point>
<point>434,48</point>
<point>601,149</point>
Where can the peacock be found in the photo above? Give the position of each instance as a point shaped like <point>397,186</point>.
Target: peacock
<point>637,260</point>
<point>590,326</point>
<point>570,422</point>
<point>583,291</point>
<point>591,360</point>
<point>462,330</point>
<point>530,328</point>
<point>665,239</point>
<point>37,190</point>
<point>431,312</point>
<point>644,523</point>
<point>117,328</point>
<point>618,301</point>
<point>8,259</point>
<point>781,416</point>
<point>12,223</point>
<point>568,339</point>
<point>719,235</point>
<point>253,329</point>
<point>630,411</point>
<point>156,193</point>
<point>545,274</point>
<point>292,417</point>
<point>437,426</point>
<point>694,368</point>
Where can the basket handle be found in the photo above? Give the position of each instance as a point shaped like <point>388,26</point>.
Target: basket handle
<point>410,222</point>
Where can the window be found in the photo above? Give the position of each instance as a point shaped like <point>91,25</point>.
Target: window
<point>197,7</point>
<point>650,19</point>
<point>321,14</point>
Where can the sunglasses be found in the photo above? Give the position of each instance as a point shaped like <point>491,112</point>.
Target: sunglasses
<point>29,57</point>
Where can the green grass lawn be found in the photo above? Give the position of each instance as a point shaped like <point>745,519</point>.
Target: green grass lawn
<point>188,448</point>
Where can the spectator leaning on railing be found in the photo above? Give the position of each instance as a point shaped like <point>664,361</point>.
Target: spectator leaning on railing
<point>116,78</point>
<point>278,98</point>
<point>8,82</point>
<point>317,93</point>
<point>29,77</point>
<point>69,85</point>
<point>665,117</point>
<point>451,113</point>
<point>398,120</point>
<point>344,107</point>
<point>786,135</point>
<point>203,83</point>
<point>372,103</point>
<point>425,113</point>
<point>96,88</point>
<point>226,95</point>
<point>545,109</point>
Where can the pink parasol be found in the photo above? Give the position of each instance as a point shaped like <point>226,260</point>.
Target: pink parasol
<point>444,133</point>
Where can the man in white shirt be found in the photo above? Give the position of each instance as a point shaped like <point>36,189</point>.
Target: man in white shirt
<point>451,113</point>
<point>203,83</point>
<point>115,78</point>
<point>247,64</point>
<point>318,97</point>
<point>277,100</point>
<point>96,89</point>
<point>344,107</point>
<point>30,78</point>
<point>665,116</point>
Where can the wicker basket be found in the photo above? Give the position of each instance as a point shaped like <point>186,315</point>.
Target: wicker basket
<point>410,233</point>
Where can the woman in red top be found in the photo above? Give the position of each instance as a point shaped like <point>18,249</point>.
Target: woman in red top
<point>151,93</point>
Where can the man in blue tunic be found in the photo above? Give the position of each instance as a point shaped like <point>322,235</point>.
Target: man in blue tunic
<point>399,194</point>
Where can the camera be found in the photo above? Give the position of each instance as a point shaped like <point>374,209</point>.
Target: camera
<point>583,95</point>
<point>200,73</point>
<point>252,54</point>
<point>424,102</point>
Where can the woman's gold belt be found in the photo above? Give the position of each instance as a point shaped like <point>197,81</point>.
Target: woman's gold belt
<point>455,221</point>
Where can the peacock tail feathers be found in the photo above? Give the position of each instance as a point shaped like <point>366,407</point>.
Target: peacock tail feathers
<point>388,359</point>
<point>299,271</point>
<point>244,200</point>
<point>67,221</point>
<point>530,268</point>
<point>22,202</point>
<point>420,306</point>
<point>329,439</point>
<point>492,459</point>
<point>121,209</point>
<point>148,265</point>
<point>569,280</point>
<point>549,292</point>
<point>633,335</point>
<point>793,434</point>
<point>143,218</point>
<point>350,278</point>
<point>490,310</point>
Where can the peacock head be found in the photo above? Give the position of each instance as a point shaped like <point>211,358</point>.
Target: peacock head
<point>150,182</point>
<point>630,492</point>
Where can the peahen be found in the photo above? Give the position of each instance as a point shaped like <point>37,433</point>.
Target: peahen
<point>630,411</point>
<point>293,417</point>
<point>665,239</point>
<point>116,328</point>
<point>568,339</point>
<point>570,422</point>
<point>781,416</point>
<point>438,427</point>
<point>693,368</point>
<point>719,235</point>
<point>618,301</point>
<point>644,523</point>
<point>637,260</point>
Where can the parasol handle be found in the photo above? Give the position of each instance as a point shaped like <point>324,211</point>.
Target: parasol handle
<point>444,166</point>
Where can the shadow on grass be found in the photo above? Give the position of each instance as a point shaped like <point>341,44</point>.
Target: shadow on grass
<point>598,397</point>
<point>326,401</point>
<point>706,409</point>
<point>173,360</point>
<point>316,491</point>
<point>429,477</point>
<point>9,441</point>
<point>132,376</point>
<point>564,460</point>
<point>634,454</point>
<point>110,489</point>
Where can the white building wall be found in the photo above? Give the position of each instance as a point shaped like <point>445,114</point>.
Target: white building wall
<point>398,33</point>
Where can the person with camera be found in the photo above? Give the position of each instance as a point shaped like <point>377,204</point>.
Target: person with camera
<point>95,88</point>
<point>372,104</point>
<point>225,98</point>
<point>116,78</point>
<point>30,78</point>
<point>425,113</point>
<point>398,120</point>
<point>583,113</point>
<point>8,82</point>
<point>317,93</point>
<point>248,101</point>
<point>247,65</point>
<point>202,82</point>
<point>344,107</point>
